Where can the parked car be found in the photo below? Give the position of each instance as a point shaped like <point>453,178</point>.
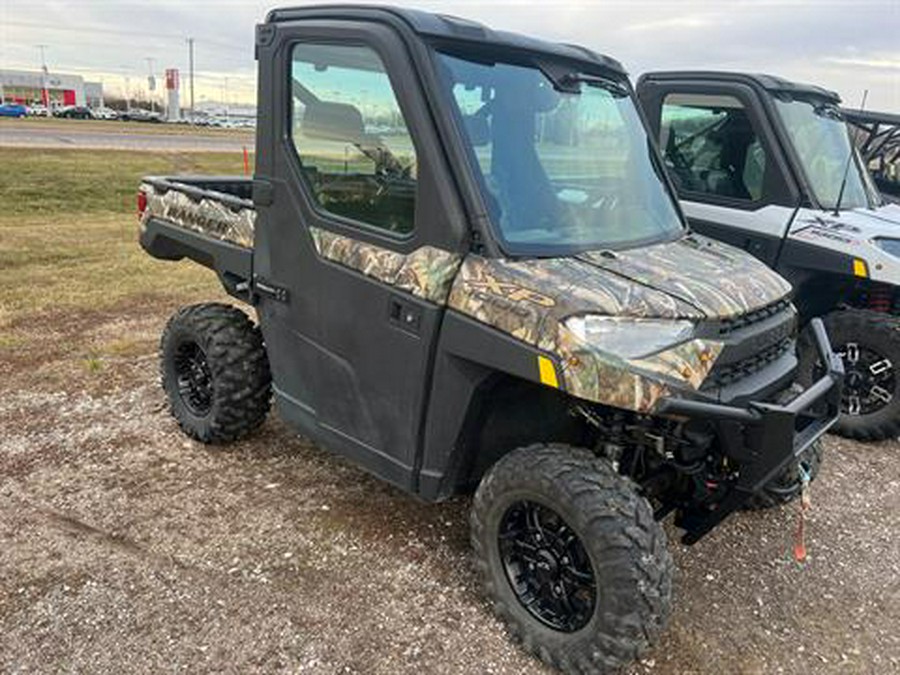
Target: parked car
<point>226,123</point>
<point>104,113</point>
<point>198,120</point>
<point>536,326</point>
<point>74,112</point>
<point>140,115</point>
<point>39,110</point>
<point>13,110</point>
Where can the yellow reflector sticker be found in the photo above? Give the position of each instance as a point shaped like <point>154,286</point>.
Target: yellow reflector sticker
<point>860,269</point>
<point>548,372</point>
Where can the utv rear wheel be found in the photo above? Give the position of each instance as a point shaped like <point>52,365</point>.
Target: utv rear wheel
<point>215,372</point>
<point>571,558</point>
<point>787,487</point>
<point>869,344</point>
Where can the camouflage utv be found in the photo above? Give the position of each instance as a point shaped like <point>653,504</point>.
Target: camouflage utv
<point>470,274</point>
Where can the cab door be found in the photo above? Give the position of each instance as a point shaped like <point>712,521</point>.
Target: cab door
<point>358,237</point>
<point>724,161</point>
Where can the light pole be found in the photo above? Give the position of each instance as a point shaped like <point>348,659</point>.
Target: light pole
<point>226,98</point>
<point>127,91</point>
<point>151,83</point>
<point>45,95</point>
<point>190,42</point>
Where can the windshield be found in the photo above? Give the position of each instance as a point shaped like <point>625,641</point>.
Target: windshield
<point>561,172</point>
<point>822,142</point>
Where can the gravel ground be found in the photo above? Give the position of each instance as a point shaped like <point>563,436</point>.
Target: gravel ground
<point>126,548</point>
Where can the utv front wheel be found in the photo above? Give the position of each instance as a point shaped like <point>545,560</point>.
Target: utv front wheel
<point>215,372</point>
<point>869,344</point>
<point>571,558</point>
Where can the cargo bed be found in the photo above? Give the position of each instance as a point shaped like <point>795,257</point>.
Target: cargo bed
<point>209,220</point>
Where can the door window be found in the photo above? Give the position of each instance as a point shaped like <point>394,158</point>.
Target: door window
<point>710,146</point>
<point>357,156</point>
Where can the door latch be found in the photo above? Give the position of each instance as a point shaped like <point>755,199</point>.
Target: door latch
<point>266,289</point>
<point>263,192</point>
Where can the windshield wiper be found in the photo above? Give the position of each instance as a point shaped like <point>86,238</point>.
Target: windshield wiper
<point>570,82</point>
<point>829,111</point>
<point>612,86</point>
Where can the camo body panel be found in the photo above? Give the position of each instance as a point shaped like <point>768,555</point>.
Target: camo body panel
<point>720,280</point>
<point>638,384</point>
<point>207,216</point>
<point>690,362</point>
<point>687,279</point>
<point>427,272</point>
<point>529,298</point>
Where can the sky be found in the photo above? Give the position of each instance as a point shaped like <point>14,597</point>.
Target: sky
<point>848,46</point>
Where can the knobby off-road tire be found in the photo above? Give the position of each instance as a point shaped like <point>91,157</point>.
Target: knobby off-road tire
<point>876,337</point>
<point>787,487</point>
<point>215,372</point>
<point>626,548</point>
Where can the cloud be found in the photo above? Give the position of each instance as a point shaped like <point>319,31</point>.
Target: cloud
<point>674,23</point>
<point>874,62</point>
<point>844,46</point>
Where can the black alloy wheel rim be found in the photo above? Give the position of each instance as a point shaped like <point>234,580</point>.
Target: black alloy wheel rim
<point>547,566</point>
<point>194,378</point>
<point>869,382</point>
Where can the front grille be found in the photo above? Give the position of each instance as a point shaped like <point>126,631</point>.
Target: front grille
<point>728,326</point>
<point>730,373</point>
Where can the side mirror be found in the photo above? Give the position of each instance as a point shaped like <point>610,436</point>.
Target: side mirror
<point>330,121</point>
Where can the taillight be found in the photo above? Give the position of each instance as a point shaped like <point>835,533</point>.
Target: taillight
<point>141,202</point>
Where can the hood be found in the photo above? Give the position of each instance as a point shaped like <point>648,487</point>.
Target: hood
<point>691,278</point>
<point>855,234</point>
<point>856,224</point>
<point>889,212</point>
<point>718,280</point>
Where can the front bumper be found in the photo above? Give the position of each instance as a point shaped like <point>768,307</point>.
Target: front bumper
<point>763,438</point>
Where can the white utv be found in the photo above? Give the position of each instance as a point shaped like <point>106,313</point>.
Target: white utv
<point>877,135</point>
<point>769,165</point>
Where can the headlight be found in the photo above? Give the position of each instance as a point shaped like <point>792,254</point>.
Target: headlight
<point>891,246</point>
<point>629,338</point>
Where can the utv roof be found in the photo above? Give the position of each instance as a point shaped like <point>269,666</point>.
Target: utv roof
<point>768,82</point>
<point>879,133</point>
<point>871,117</point>
<point>442,26</point>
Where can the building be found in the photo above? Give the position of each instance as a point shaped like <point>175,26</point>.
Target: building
<point>93,94</point>
<point>25,86</point>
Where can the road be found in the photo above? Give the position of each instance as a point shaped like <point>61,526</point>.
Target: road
<point>58,134</point>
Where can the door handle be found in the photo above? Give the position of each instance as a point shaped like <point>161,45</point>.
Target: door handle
<point>405,315</point>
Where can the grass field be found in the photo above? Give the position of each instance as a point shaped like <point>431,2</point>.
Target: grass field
<point>68,231</point>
